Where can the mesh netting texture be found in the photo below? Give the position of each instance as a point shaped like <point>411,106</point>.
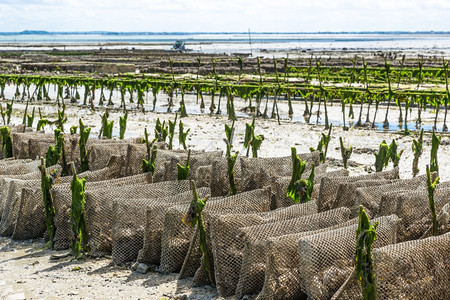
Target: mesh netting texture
<point>62,198</point>
<point>280,185</point>
<point>177,236</point>
<point>30,221</point>
<point>154,227</point>
<point>282,277</point>
<point>19,168</point>
<point>195,161</point>
<point>329,185</point>
<point>327,259</point>
<point>99,207</point>
<point>137,152</point>
<point>251,277</point>
<point>370,198</point>
<point>413,209</point>
<point>227,246</point>
<point>219,177</point>
<point>129,222</point>
<point>418,269</point>
<point>258,172</point>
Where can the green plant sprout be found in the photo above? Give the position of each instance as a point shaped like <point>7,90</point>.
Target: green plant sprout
<point>229,132</point>
<point>79,236</point>
<point>161,130</point>
<point>107,126</point>
<point>9,110</point>
<point>7,148</point>
<point>149,165</point>
<point>172,131</point>
<point>84,136</point>
<point>382,157</point>
<point>183,171</point>
<point>346,152</point>
<point>394,156</point>
<point>435,142</point>
<point>183,135</point>
<point>54,153</point>
<point>431,187</point>
<point>73,129</point>
<point>323,145</point>
<point>231,161</point>
<point>417,147</point>
<point>298,167</point>
<point>250,140</point>
<point>365,237</point>
<point>194,217</point>
<point>30,118</point>
<point>123,125</point>
<point>62,118</point>
<point>47,179</point>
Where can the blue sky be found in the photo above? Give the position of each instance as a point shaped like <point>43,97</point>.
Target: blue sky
<point>225,15</point>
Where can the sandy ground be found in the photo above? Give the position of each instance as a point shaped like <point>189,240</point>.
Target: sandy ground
<point>26,271</point>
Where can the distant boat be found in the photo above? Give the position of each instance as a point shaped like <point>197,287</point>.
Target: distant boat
<point>179,46</point>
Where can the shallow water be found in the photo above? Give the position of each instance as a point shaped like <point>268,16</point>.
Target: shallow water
<point>234,42</point>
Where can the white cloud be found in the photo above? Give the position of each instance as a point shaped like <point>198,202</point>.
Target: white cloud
<point>224,15</point>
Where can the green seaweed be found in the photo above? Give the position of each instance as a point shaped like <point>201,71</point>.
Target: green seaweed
<point>172,131</point>
<point>183,171</point>
<point>123,125</point>
<point>231,161</point>
<point>322,146</point>
<point>107,126</point>
<point>382,157</point>
<point>365,237</point>
<point>394,156</point>
<point>84,136</point>
<point>182,136</point>
<point>79,237</point>
<point>7,148</point>
<point>417,147</point>
<point>194,217</point>
<point>346,152</point>
<point>431,187</point>
<point>47,179</point>
<point>435,142</point>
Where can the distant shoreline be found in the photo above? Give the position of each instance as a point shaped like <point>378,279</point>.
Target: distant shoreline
<point>43,32</point>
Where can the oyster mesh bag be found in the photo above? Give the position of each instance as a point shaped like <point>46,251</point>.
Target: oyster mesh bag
<point>282,277</point>
<point>258,172</point>
<point>280,185</point>
<point>154,226</point>
<point>12,198</point>
<point>137,152</point>
<point>129,222</point>
<point>19,168</point>
<point>30,221</point>
<point>227,246</point>
<point>220,185</point>
<point>413,209</point>
<point>99,207</point>
<point>417,269</point>
<point>177,236</point>
<point>99,154</point>
<point>5,180</point>
<point>329,185</point>
<point>251,277</point>
<point>370,196</point>
<point>195,161</point>
<point>276,216</point>
<point>62,199</point>
<point>326,259</point>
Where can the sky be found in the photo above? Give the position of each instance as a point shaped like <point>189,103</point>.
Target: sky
<point>224,15</point>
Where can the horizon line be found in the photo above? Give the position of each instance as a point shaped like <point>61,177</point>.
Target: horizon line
<point>37,32</point>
